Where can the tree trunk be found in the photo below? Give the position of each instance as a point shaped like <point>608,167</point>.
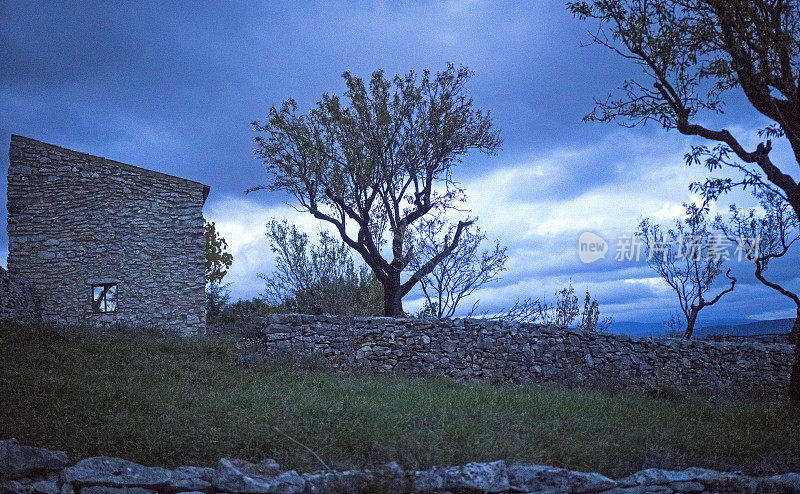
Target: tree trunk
<point>794,381</point>
<point>690,323</point>
<point>392,297</point>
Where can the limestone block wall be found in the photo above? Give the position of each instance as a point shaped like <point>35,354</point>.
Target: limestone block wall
<point>527,353</point>
<point>76,220</point>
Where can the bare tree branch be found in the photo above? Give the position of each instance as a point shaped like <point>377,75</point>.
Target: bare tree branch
<point>457,275</point>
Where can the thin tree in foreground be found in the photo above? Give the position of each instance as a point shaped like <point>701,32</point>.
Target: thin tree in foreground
<point>375,164</point>
<point>458,275</point>
<point>763,238</point>
<point>687,261</point>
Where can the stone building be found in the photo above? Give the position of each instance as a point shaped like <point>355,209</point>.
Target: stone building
<point>103,242</point>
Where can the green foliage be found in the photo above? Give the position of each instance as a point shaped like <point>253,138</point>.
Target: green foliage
<point>676,325</point>
<point>566,312</point>
<point>429,311</point>
<point>690,55</point>
<point>566,308</point>
<point>222,314</point>
<point>255,307</point>
<point>217,260</point>
<point>318,278</point>
<point>670,44</point>
<point>171,401</point>
<point>590,316</point>
<point>217,297</point>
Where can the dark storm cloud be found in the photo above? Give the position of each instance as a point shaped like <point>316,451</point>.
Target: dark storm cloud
<point>117,77</point>
<point>173,86</point>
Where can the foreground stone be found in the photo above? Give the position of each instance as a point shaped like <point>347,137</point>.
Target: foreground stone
<point>350,481</point>
<point>29,470</point>
<point>246,478</point>
<point>482,477</point>
<point>17,461</point>
<point>540,477</point>
<point>191,479</point>
<point>116,472</point>
<point>115,490</point>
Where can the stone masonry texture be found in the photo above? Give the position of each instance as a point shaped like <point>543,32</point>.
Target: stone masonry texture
<point>30,470</point>
<point>528,353</point>
<point>76,220</point>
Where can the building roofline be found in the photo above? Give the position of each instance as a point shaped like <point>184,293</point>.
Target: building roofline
<point>206,188</point>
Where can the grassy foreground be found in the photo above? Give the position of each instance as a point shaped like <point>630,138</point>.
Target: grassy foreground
<point>169,402</point>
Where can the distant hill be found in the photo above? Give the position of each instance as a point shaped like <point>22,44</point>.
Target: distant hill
<point>774,326</point>
<point>732,328</point>
<point>639,328</point>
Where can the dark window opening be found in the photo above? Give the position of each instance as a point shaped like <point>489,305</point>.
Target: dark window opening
<point>104,298</point>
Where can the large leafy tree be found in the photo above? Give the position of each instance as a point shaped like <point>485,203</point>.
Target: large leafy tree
<point>378,160</point>
<point>692,54</point>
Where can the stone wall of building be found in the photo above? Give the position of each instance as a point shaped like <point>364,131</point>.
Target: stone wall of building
<point>526,353</point>
<point>16,299</point>
<point>76,220</point>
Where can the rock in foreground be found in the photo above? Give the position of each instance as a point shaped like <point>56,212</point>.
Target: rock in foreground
<point>29,470</point>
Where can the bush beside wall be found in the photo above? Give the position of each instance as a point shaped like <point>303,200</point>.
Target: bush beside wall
<point>16,299</point>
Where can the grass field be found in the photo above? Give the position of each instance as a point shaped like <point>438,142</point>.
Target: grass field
<point>171,402</point>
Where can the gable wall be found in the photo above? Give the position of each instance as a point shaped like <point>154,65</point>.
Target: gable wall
<point>76,219</point>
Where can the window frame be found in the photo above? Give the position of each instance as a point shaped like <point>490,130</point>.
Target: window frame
<point>101,306</point>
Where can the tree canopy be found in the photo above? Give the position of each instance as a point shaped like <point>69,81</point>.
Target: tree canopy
<point>692,53</point>
<point>376,161</point>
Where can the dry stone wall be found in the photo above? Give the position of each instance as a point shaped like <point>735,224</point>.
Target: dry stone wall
<point>76,220</point>
<point>527,353</point>
<point>30,470</point>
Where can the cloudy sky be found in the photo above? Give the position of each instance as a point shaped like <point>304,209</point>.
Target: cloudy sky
<point>173,87</point>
